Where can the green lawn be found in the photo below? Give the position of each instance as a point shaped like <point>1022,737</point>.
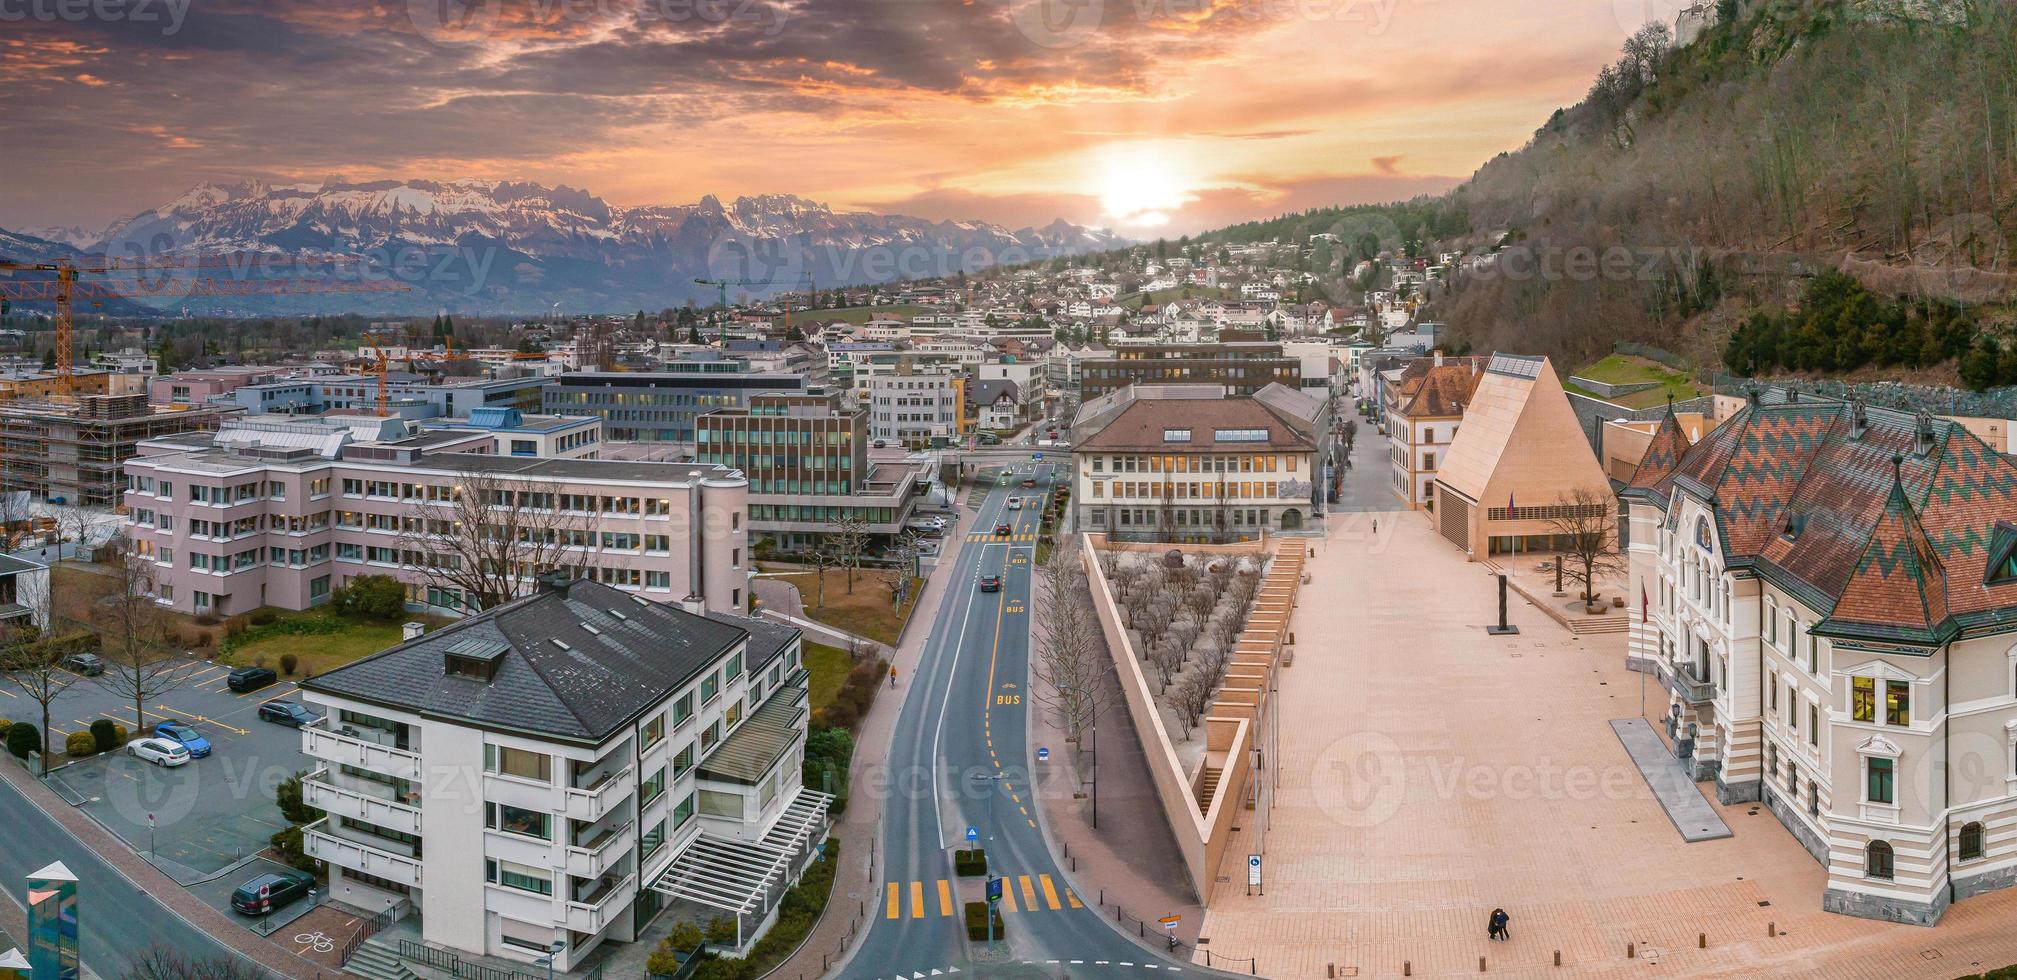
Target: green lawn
<point>1625,369</point>
<point>317,652</point>
<point>826,667</point>
<point>866,612</point>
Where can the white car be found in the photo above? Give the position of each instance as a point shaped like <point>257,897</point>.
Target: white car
<point>159,751</point>
<point>1015,503</point>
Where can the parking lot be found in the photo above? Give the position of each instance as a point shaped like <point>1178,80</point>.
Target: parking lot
<point>198,819</point>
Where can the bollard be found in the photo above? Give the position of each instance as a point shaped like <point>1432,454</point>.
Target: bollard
<point>1631,951</point>
<point>1772,929</point>
<point>1331,971</point>
<point>1481,964</point>
<point>1558,957</point>
<point>1701,940</point>
<point>1407,968</point>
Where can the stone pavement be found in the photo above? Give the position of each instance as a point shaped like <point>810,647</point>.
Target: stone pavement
<point>1432,773</point>
<point>1668,778</point>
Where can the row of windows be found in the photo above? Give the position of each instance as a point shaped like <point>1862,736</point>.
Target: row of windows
<point>1188,490</point>
<point>1193,463</point>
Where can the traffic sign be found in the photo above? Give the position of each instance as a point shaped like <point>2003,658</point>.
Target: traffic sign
<point>1043,753</point>
<point>1253,869</point>
<point>994,888</point>
<point>1037,458</point>
<point>1170,922</point>
<point>972,835</point>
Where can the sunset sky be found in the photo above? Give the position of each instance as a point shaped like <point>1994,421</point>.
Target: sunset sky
<point>1146,116</point>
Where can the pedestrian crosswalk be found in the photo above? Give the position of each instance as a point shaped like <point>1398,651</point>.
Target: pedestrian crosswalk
<point>938,899</point>
<point>979,538</point>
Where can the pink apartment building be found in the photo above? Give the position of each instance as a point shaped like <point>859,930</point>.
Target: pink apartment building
<point>279,512</point>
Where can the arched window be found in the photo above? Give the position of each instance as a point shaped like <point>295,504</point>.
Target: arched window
<point>1877,860</point>
<point>1971,841</point>
<point>1702,533</point>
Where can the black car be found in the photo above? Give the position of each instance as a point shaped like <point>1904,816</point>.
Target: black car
<point>287,713</point>
<point>990,583</point>
<point>86,664</point>
<point>271,891</point>
<point>1003,528</point>
<point>250,678</point>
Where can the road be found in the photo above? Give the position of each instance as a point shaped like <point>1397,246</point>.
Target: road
<point>963,723</point>
<point>116,920</point>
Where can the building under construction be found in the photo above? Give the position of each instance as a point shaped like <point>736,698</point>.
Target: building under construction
<point>71,450</point>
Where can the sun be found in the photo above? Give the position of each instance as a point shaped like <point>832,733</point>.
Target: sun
<point>1142,185</point>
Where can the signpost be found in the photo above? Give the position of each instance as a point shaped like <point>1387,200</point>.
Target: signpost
<point>972,834</point>
<point>994,884</point>
<point>1254,874</point>
<point>1043,753</point>
<point>1170,928</point>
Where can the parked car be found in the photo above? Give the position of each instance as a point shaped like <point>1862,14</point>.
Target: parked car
<point>287,713</point>
<point>181,734</point>
<point>159,751</point>
<point>86,664</point>
<point>990,583</point>
<point>270,891</point>
<point>1015,503</point>
<point>880,444</point>
<point>250,678</point>
<point>1029,482</point>
<point>1003,528</point>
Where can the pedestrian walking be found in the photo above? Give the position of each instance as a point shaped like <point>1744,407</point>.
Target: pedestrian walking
<point>892,675</point>
<point>1498,928</point>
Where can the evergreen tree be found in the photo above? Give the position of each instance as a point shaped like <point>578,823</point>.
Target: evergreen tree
<point>49,359</point>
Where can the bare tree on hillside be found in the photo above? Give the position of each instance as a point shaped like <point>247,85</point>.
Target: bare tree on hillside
<point>489,537</point>
<point>1587,532</point>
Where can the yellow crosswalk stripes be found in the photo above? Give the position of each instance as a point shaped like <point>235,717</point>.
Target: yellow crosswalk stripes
<point>944,897</point>
<point>1008,894</point>
<point>1020,893</point>
<point>1073,899</point>
<point>891,912</point>
<point>1029,893</point>
<point>984,538</point>
<point>1050,892</point>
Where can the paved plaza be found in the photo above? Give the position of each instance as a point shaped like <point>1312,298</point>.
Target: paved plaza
<point>1432,773</point>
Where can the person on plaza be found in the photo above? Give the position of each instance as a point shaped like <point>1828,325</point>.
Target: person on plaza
<point>1499,920</point>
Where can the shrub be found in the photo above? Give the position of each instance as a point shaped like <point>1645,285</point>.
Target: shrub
<point>4,725</point>
<point>685,936</point>
<point>977,916</point>
<point>288,842</point>
<point>287,796</point>
<point>970,864</point>
<point>205,619</point>
<point>234,626</point>
<point>721,930</point>
<point>373,596</point>
<point>288,662</point>
<point>107,734</point>
<point>23,739</point>
<point>77,745</point>
<point>262,617</point>
<point>202,641</point>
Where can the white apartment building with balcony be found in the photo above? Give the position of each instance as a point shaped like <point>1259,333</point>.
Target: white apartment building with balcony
<point>1828,593</point>
<point>564,768</point>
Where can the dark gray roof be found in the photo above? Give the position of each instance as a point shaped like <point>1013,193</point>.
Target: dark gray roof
<point>616,656</point>
<point>767,640</point>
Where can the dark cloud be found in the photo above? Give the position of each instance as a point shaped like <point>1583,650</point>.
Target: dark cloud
<point>1387,165</point>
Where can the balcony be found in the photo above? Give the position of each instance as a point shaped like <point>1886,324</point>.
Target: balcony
<point>320,841</point>
<point>602,850</point>
<point>599,905</point>
<point>1690,688</point>
<point>361,747</point>
<point>597,795</point>
<point>361,800</point>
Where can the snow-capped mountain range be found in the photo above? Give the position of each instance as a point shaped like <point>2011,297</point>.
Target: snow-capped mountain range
<point>488,246</point>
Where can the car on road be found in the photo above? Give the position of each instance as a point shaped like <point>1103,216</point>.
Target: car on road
<point>880,444</point>
<point>250,678</point>
<point>990,583</point>
<point>1015,503</point>
<point>287,713</point>
<point>1029,482</point>
<point>86,664</point>
<point>989,439</point>
<point>185,736</point>
<point>270,891</point>
<point>159,751</point>
<point>1003,528</point>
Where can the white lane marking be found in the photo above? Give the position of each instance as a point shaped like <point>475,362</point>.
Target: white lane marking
<point>938,734</point>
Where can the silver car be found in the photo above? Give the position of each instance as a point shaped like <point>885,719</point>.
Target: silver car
<point>159,751</point>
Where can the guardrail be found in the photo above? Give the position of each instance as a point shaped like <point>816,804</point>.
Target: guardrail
<point>442,959</point>
<point>368,929</point>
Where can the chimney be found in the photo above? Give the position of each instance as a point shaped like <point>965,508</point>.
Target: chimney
<point>1439,358</point>
<point>1859,420</point>
<point>411,631</point>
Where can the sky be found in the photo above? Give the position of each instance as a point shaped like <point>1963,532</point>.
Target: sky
<point>1149,117</point>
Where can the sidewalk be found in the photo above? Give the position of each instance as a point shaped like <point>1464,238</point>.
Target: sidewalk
<point>147,878</point>
<point>859,828</point>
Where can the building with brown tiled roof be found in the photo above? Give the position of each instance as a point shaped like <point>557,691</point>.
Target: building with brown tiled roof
<point>1427,409</point>
<point>1828,593</point>
<point>1192,463</point>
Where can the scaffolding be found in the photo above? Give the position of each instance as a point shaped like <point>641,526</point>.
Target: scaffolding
<point>73,450</point>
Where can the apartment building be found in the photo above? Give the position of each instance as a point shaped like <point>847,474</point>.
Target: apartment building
<point>1828,594</point>
<point>1428,410</point>
<point>279,512</point>
<point>917,408</point>
<point>560,770</point>
<point>1190,463</point>
<point>806,459</point>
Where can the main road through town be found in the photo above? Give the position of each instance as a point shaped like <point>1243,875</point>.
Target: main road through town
<point>960,759</point>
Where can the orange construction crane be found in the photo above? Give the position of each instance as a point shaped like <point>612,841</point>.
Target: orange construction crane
<point>66,283</point>
<point>384,396</point>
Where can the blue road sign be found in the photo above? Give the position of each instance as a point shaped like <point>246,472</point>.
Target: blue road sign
<point>1043,753</point>
<point>994,888</point>
<point>1037,457</point>
<point>972,835</point>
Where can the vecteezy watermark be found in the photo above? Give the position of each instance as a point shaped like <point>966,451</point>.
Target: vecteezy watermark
<point>1584,263</point>
<point>171,13</point>
<point>455,23</point>
<point>1363,780</point>
<point>1067,23</point>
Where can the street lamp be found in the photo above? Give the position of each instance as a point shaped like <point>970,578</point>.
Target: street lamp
<point>552,952</point>
<point>991,794</point>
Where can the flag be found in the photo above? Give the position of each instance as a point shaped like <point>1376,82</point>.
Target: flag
<point>1509,505</point>
<point>1645,607</point>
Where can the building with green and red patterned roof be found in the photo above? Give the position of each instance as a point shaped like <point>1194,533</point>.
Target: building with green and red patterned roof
<point>1828,593</point>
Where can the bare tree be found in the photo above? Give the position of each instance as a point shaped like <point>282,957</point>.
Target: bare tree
<point>1192,696</point>
<point>490,537</point>
<point>36,670</point>
<point>81,524</point>
<point>1587,532</point>
<point>138,667</point>
<point>821,558</point>
<point>17,517</point>
<point>1071,665</point>
<point>848,539</point>
<point>162,963</point>
<point>905,550</point>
